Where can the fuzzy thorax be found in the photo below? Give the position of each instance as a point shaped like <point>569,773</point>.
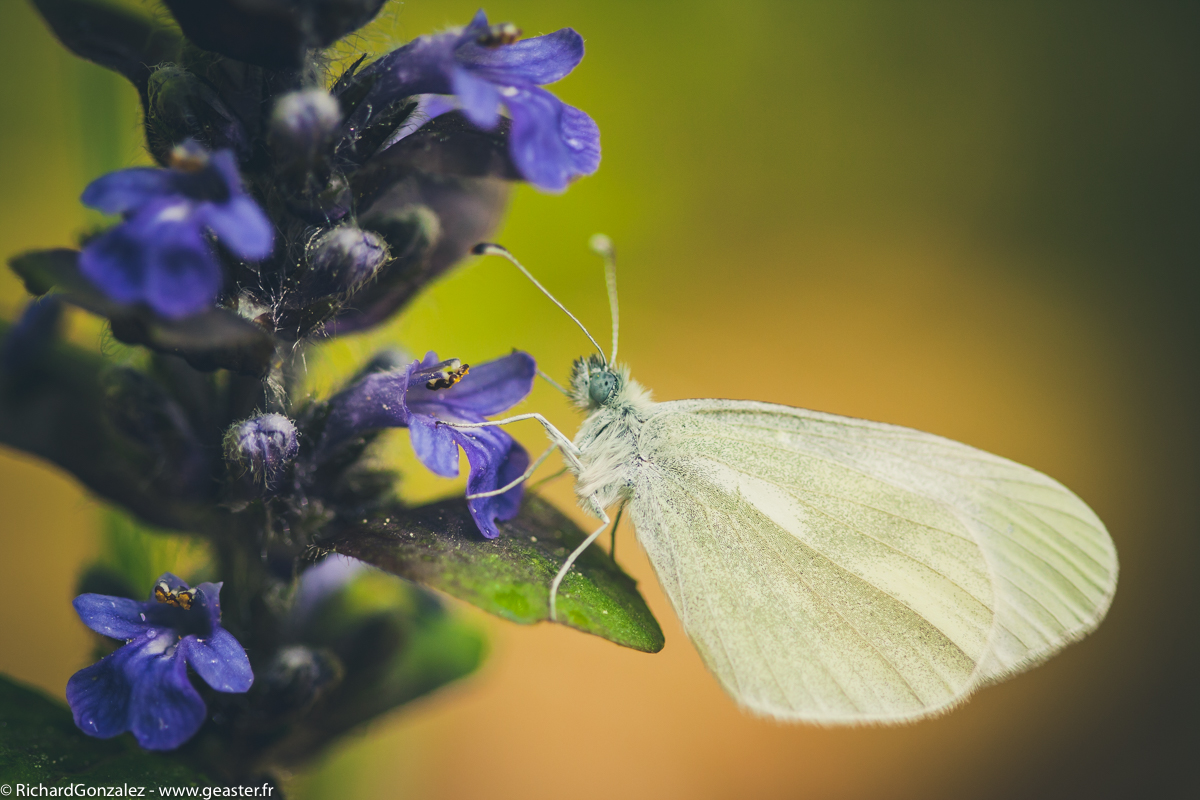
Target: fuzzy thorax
<point>618,406</point>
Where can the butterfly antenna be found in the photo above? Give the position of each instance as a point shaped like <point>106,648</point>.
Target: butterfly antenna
<point>489,249</point>
<point>603,247</point>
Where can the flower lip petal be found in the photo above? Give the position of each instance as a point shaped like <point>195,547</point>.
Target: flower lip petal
<point>159,254</point>
<point>551,142</point>
<point>540,60</point>
<point>208,602</point>
<point>219,660</point>
<point>115,263</point>
<point>582,137</point>
<point>116,617</point>
<point>165,710</point>
<point>144,685</point>
<point>187,277</point>
<point>487,389</point>
<point>496,460</point>
<point>434,444</point>
<point>99,695</point>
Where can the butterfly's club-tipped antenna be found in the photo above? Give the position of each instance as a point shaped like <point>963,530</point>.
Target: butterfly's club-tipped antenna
<point>603,247</point>
<point>489,249</point>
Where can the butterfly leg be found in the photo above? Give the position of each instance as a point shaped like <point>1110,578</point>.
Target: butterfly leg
<point>570,451</point>
<point>532,468</point>
<point>612,547</point>
<point>566,567</point>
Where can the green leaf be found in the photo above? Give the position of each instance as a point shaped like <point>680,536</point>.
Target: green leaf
<point>39,743</point>
<point>215,339</point>
<point>439,545</point>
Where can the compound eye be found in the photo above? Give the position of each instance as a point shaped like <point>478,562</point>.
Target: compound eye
<point>601,387</point>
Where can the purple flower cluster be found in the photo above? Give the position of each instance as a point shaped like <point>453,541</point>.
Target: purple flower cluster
<point>281,213</point>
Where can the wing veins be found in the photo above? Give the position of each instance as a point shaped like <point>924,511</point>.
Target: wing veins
<point>957,512</point>
<point>678,575</point>
<point>849,624</point>
<point>894,549</point>
<point>1021,568</point>
<point>725,647</point>
<point>782,690</point>
<point>839,497</point>
<point>1056,547</point>
<point>855,464</point>
<point>1033,622</point>
<point>978,483</point>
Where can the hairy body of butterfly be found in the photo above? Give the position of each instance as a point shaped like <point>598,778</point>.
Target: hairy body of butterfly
<point>835,570</point>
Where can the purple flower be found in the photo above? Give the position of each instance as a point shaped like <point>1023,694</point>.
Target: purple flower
<point>485,67</point>
<point>424,393</point>
<point>144,687</point>
<point>160,255</point>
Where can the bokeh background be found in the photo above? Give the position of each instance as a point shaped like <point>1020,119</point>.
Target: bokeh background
<point>979,220</point>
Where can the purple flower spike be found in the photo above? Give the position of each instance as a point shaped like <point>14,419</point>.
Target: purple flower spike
<point>143,687</point>
<point>160,255</point>
<point>426,393</point>
<point>484,67</point>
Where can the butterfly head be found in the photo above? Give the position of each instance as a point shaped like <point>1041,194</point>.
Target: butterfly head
<point>594,383</point>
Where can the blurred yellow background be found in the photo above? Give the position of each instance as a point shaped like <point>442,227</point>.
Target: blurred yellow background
<point>977,220</point>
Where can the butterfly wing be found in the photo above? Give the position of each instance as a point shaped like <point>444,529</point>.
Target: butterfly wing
<point>836,570</point>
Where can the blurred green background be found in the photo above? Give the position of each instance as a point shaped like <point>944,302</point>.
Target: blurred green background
<point>979,220</point>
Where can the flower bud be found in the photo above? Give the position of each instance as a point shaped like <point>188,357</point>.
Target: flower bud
<point>265,446</point>
<point>303,125</point>
<point>421,249</point>
<point>342,260</point>
<point>297,677</point>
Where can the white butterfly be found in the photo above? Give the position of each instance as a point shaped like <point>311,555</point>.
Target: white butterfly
<point>829,569</point>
